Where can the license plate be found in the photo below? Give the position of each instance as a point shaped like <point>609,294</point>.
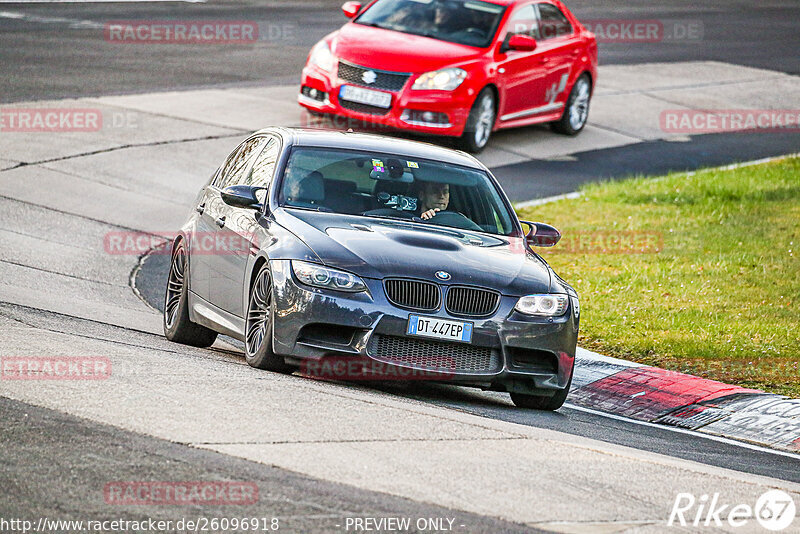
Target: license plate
<point>439,328</point>
<point>365,96</point>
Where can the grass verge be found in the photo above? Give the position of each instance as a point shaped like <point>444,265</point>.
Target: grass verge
<point>698,273</point>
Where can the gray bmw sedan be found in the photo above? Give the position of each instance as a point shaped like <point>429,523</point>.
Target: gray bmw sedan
<point>354,256</point>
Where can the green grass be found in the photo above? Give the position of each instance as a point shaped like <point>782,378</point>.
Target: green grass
<point>721,296</point>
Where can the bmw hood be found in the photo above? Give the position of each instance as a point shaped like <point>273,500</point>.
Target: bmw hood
<point>381,248</point>
<point>395,51</point>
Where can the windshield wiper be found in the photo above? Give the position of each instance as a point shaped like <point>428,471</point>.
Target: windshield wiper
<point>373,25</point>
<point>395,218</point>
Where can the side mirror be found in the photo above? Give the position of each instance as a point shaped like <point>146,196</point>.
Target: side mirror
<point>242,196</point>
<point>541,234</point>
<point>521,43</point>
<point>351,9</point>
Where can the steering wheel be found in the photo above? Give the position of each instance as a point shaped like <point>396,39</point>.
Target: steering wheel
<point>455,220</point>
<point>476,31</point>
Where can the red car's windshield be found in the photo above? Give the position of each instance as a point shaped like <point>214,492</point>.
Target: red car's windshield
<point>468,22</point>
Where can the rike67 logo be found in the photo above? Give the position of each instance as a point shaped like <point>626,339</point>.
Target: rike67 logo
<point>774,511</point>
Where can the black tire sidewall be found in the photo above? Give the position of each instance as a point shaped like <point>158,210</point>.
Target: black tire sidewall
<point>467,140</point>
<point>563,125</point>
<point>182,317</point>
<point>264,358</point>
<point>184,331</point>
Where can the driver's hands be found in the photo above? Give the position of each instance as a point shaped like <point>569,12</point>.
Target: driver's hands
<point>429,214</point>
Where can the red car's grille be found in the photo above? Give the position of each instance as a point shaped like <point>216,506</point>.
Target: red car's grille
<point>388,81</point>
<point>362,108</point>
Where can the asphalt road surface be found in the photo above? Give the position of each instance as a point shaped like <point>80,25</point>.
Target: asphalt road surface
<point>53,51</point>
<point>151,281</point>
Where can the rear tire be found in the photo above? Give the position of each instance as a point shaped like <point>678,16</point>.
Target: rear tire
<point>540,402</point>
<point>480,122</point>
<point>576,112</point>
<point>177,325</point>
<point>258,327</point>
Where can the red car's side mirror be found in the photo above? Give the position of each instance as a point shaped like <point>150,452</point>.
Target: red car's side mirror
<point>522,43</point>
<point>351,9</point>
<point>541,234</point>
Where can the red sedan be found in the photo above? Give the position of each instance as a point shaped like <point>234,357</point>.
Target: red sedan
<point>460,68</point>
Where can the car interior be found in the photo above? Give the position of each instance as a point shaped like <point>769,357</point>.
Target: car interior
<point>357,186</point>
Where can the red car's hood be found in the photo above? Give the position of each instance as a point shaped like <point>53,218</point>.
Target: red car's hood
<point>395,51</point>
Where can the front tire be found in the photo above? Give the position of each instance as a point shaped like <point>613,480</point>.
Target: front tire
<point>258,329</point>
<point>480,122</point>
<point>177,325</point>
<point>576,112</point>
<point>540,402</point>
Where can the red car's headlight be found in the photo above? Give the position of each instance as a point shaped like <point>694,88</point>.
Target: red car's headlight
<point>443,80</point>
<point>322,57</point>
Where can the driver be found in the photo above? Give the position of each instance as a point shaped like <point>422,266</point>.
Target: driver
<point>432,197</point>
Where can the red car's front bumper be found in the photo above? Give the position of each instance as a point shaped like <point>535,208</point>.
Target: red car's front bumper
<point>430,112</point>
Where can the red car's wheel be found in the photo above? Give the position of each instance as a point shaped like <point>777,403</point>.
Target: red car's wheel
<point>576,111</point>
<point>480,122</point>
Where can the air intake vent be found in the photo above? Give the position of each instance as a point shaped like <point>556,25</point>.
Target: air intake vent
<point>435,355</point>
<point>471,301</point>
<point>413,294</point>
<point>381,79</point>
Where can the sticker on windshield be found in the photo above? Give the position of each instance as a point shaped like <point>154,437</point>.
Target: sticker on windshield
<point>412,164</point>
<point>377,165</point>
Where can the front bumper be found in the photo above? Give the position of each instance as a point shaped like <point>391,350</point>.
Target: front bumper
<point>450,108</point>
<point>509,351</point>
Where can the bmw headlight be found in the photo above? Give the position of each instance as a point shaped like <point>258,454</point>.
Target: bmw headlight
<point>543,305</point>
<point>444,80</point>
<point>316,275</point>
<point>322,57</point>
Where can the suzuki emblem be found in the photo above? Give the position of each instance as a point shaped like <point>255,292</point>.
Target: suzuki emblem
<point>369,76</point>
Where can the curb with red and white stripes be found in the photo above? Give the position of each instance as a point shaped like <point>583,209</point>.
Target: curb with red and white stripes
<point>676,399</point>
<point>657,396</point>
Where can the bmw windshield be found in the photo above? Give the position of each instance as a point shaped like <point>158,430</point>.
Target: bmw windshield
<point>390,186</point>
<point>467,22</point>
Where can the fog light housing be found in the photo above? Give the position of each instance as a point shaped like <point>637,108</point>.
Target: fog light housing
<point>315,94</point>
<point>432,119</point>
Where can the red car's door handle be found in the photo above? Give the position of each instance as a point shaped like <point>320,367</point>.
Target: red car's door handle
<point>545,59</point>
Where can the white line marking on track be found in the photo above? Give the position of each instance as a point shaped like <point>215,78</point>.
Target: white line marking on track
<point>694,433</point>
<point>577,194</point>
<point>546,200</point>
<point>72,23</point>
